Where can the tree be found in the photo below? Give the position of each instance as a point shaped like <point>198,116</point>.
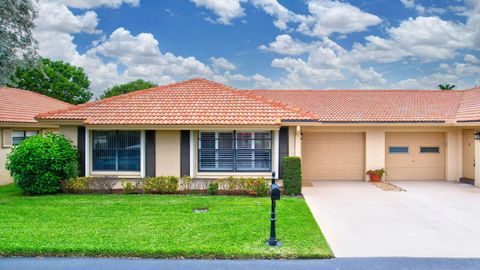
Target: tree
<point>126,88</point>
<point>55,79</point>
<point>446,86</point>
<point>17,46</point>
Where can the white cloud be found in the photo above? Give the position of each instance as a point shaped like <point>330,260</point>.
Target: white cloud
<point>220,63</point>
<point>95,3</point>
<point>324,18</point>
<point>285,44</point>
<point>226,10</point>
<point>408,3</point>
<point>470,58</point>
<point>424,38</point>
<point>368,78</point>
<point>57,17</point>
<point>282,14</point>
<point>330,16</point>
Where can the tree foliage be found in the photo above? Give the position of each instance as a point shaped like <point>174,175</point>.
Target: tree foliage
<point>40,163</point>
<point>126,88</point>
<point>446,86</point>
<point>17,46</point>
<point>55,79</point>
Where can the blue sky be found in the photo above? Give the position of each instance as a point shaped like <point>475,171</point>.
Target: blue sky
<point>314,44</point>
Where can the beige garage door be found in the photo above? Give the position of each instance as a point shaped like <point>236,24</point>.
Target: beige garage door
<point>415,156</point>
<point>333,156</point>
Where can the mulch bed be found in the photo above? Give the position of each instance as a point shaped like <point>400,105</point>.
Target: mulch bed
<point>386,186</point>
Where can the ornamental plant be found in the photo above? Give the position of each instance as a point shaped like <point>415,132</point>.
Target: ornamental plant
<point>39,164</point>
<point>292,175</point>
<point>256,186</point>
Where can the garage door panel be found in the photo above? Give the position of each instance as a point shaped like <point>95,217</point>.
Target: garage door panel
<point>415,165</point>
<point>333,156</point>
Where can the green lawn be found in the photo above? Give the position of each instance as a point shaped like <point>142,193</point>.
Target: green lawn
<point>155,226</point>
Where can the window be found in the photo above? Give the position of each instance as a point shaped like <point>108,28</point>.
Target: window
<point>115,150</point>
<point>429,149</point>
<point>235,151</point>
<point>398,149</point>
<point>19,135</point>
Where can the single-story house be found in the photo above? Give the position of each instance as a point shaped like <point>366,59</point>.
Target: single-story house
<point>204,129</point>
<point>17,111</point>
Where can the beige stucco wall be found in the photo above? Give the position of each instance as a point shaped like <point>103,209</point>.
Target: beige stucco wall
<point>4,174</point>
<point>167,149</point>
<point>477,158</point>
<point>71,133</point>
<point>375,144</point>
<point>374,149</point>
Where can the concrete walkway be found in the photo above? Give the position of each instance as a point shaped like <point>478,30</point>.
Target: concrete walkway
<point>151,264</point>
<point>430,219</point>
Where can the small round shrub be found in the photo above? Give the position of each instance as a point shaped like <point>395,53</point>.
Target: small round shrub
<point>129,188</point>
<point>212,188</point>
<point>39,164</point>
<point>256,186</point>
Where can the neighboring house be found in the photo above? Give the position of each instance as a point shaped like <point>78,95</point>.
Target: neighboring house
<point>17,111</point>
<point>207,130</point>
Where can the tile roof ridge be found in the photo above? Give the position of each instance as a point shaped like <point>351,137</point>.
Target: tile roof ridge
<point>36,94</point>
<point>101,101</point>
<point>354,90</point>
<point>278,104</point>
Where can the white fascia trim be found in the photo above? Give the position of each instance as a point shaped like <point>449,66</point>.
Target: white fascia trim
<point>142,153</point>
<point>87,152</point>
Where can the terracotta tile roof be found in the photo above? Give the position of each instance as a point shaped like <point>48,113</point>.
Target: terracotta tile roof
<point>378,105</point>
<point>203,102</point>
<point>20,106</point>
<point>192,102</point>
<point>469,107</point>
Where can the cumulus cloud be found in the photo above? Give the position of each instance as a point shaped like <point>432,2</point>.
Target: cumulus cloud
<point>470,58</point>
<point>285,44</point>
<point>95,3</point>
<point>220,63</point>
<point>226,10</point>
<point>328,16</point>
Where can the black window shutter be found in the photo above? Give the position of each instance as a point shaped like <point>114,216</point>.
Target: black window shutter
<point>81,149</point>
<point>282,148</point>
<point>185,153</point>
<point>150,153</point>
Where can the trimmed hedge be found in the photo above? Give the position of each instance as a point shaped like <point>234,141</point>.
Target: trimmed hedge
<point>292,175</point>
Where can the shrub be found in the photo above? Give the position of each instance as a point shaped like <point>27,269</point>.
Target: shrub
<point>212,188</point>
<point>162,184</point>
<point>40,163</point>
<point>185,183</point>
<point>129,187</point>
<point>76,185</point>
<point>256,186</point>
<point>292,175</point>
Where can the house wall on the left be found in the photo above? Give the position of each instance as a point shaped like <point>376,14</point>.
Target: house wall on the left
<point>4,174</point>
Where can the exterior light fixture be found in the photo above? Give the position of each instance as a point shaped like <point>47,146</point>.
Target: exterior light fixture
<point>477,135</point>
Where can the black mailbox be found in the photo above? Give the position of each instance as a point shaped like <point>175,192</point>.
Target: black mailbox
<point>275,192</point>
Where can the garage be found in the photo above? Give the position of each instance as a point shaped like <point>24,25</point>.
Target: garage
<point>333,156</point>
<point>415,156</point>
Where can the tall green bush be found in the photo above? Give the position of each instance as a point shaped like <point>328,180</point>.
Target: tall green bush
<point>40,163</point>
<point>292,175</point>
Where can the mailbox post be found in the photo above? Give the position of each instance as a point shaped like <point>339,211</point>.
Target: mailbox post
<point>275,195</point>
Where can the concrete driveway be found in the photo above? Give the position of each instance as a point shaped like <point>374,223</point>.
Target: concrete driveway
<point>430,219</point>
